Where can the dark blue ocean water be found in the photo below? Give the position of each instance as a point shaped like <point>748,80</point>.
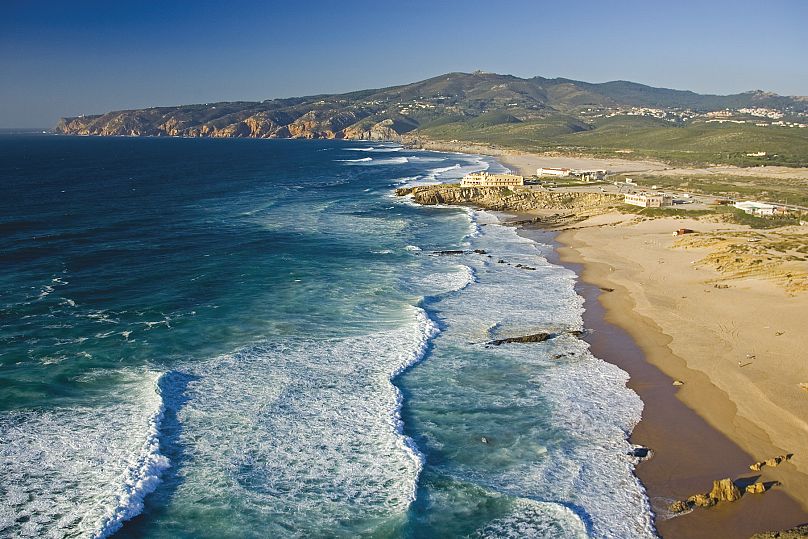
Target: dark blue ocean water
<point>247,338</point>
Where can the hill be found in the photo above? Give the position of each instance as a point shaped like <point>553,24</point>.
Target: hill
<point>530,114</point>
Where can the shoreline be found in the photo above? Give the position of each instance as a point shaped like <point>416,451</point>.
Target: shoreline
<point>727,415</point>
<point>702,431</point>
<point>688,452</point>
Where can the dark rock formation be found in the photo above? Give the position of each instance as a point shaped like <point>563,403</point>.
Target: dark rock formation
<point>533,338</point>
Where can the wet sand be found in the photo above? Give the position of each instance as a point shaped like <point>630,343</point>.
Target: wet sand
<point>689,452</point>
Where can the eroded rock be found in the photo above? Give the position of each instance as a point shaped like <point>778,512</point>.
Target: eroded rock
<point>725,490</point>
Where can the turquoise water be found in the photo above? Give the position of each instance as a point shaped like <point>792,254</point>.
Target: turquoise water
<point>247,338</point>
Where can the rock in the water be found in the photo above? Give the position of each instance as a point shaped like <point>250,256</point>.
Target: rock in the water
<point>679,506</point>
<point>756,466</point>
<point>484,440</point>
<point>534,337</point>
<point>756,488</point>
<point>702,500</point>
<point>725,490</point>
<point>678,383</point>
<point>641,453</point>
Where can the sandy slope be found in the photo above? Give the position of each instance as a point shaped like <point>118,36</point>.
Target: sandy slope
<point>741,351</point>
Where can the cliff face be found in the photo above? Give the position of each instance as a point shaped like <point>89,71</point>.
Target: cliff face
<point>311,124</point>
<point>510,199</point>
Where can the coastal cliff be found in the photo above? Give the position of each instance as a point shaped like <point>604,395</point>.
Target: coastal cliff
<point>510,199</point>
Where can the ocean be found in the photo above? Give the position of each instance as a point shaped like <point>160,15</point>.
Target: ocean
<point>255,338</point>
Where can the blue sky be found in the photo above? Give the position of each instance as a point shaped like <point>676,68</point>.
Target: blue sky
<point>65,58</point>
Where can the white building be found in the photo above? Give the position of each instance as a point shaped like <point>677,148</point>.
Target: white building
<point>756,208</point>
<point>589,175</point>
<point>484,179</point>
<point>560,172</point>
<point>646,200</point>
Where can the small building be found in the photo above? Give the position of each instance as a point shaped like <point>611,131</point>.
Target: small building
<point>485,179</point>
<point>756,208</point>
<point>558,172</point>
<point>646,200</point>
<point>589,175</point>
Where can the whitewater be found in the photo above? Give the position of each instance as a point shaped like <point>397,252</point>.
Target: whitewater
<point>256,339</point>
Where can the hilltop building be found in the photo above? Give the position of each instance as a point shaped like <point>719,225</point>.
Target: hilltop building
<point>646,200</point>
<point>485,179</point>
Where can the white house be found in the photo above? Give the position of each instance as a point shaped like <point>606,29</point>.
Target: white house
<point>756,208</point>
<point>560,172</point>
<point>646,200</point>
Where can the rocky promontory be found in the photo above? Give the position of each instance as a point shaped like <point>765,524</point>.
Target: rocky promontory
<point>517,199</point>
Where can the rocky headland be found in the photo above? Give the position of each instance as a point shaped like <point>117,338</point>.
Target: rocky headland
<point>512,199</point>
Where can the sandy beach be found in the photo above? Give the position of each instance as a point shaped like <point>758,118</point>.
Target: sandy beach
<point>737,346</point>
<point>527,163</point>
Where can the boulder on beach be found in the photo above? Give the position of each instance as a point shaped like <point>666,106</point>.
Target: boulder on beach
<point>679,506</point>
<point>702,500</point>
<point>756,488</point>
<point>725,490</point>
<point>678,383</point>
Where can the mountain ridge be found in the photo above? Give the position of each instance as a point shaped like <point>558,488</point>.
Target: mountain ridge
<point>452,106</point>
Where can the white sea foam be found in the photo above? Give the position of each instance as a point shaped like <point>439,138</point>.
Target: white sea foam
<point>392,161</point>
<point>360,160</point>
<point>589,405</point>
<point>82,471</point>
<point>140,478</point>
<point>305,425</point>
<point>381,149</point>
<point>444,282</point>
<point>530,518</point>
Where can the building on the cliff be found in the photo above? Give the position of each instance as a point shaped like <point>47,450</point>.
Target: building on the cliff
<point>646,200</point>
<point>484,179</point>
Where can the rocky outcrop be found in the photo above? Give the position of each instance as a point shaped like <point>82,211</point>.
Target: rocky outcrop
<point>756,488</point>
<point>800,532</point>
<point>383,130</point>
<point>701,500</point>
<point>724,490</point>
<point>772,462</point>
<point>533,338</point>
<point>510,198</point>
